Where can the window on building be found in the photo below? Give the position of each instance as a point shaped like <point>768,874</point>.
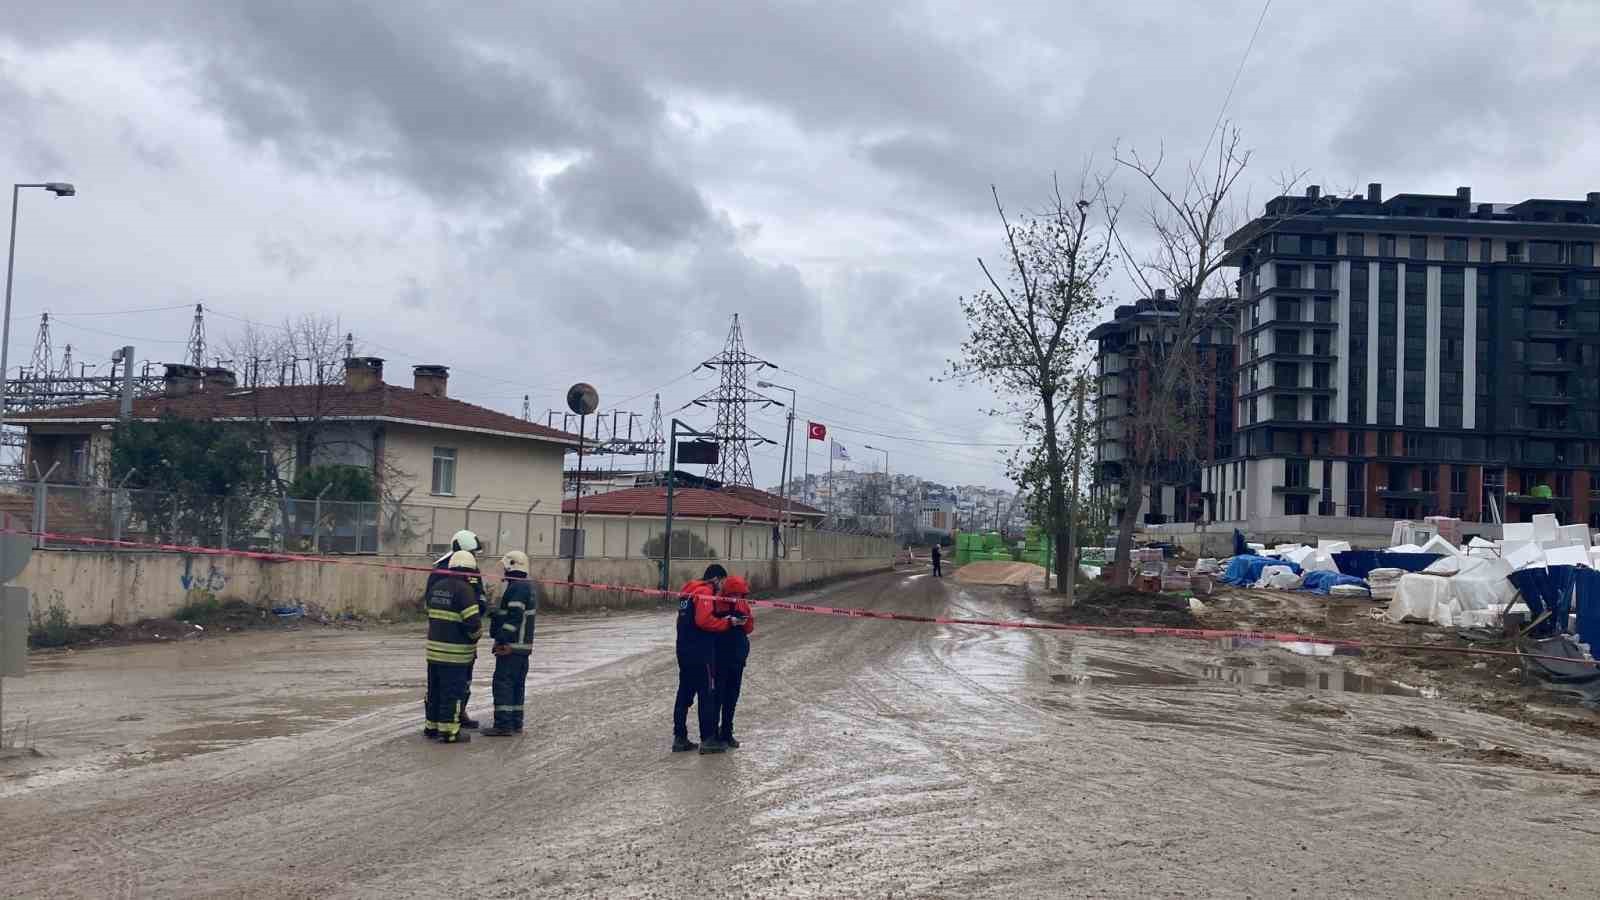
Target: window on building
<point>1386,410</point>
<point>1287,243</point>
<point>1545,286</point>
<point>1419,246</point>
<point>1544,252</point>
<point>1322,278</point>
<point>1321,410</point>
<point>1589,320</point>
<point>1430,479</point>
<point>1582,255</point>
<point>1288,276</point>
<point>1355,244</point>
<point>1286,408</point>
<point>1322,309</point>
<point>1519,351</point>
<point>444,471</point>
<point>1414,412</point>
<point>1286,340</point>
<point>1322,375</point>
<point>1514,251</point>
<point>1485,250</point>
<point>1589,288</point>
<point>1455,249</point>
<point>1286,375</point>
<point>1322,344</point>
<point>1386,245</point>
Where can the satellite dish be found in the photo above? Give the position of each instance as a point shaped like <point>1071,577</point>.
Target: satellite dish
<point>583,399</point>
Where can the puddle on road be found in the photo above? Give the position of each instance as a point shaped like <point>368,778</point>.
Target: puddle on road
<point>1089,670</point>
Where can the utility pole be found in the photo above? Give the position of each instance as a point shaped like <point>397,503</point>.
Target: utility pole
<point>730,398</point>
<point>1067,566</point>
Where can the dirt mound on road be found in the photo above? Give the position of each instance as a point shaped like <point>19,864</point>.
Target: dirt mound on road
<point>1003,573</point>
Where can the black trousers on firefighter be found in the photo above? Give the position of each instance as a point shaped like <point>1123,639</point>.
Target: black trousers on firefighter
<point>466,690</point>
<point>447,692</point>
<point>510,684</point>
<point>697,684</point>
<point>730,678</point>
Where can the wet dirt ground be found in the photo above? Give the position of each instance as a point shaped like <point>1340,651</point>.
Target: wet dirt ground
<point>880,759</point>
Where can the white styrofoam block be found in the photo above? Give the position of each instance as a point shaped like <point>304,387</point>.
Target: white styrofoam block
<point>1524,555</point>
<point>1567,556</point>
<point>1332,547</point>
<point>1518,531</point>
<point>1574,535</point>
<point>1545,527</point>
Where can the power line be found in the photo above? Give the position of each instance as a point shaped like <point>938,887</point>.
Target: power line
<point>1227,98</point>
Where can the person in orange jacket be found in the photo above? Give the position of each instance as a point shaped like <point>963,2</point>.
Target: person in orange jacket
<point>732,651</point>
<point>697,630</point>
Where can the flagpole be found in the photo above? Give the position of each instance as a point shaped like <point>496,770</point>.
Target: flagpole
<point>806,482</point>
<point>830,480</point>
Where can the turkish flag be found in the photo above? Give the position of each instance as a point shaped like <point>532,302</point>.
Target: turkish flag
<point>816,431</point>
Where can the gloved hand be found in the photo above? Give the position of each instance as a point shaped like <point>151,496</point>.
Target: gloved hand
<point>501,650</point>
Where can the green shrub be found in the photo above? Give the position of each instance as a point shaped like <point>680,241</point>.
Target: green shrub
<point>52,628</point>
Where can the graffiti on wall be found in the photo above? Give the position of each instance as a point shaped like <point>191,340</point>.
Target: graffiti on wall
<point>213,580</point>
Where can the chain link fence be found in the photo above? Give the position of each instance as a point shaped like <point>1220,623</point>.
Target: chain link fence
<point>230,522</point>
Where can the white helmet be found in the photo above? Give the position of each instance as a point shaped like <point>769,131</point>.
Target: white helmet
<point>466,540</point>
<point>462,559</point>
<point>515,561</point>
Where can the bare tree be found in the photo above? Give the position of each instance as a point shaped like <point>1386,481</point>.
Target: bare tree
<point>1025,334</point>
<point>1190,218</point>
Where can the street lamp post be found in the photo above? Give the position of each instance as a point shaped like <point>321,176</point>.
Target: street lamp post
<point>888,482</point>
<point>788,461</point>
<point>60,189</point>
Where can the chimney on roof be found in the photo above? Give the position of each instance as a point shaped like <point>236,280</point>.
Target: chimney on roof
<point>220,379</point>
<point>431,380</point>
<point>180,380</point>
<point>1464,194</point>
<point>1313,191</point>
<point>1485,210</point>
<point>1375,192</point>
<point>1161,294</point>
<point>363,373</point>
<point>1594,198</point>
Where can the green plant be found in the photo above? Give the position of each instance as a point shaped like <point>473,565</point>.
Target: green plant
<point>51,628</point>
<point>206,608</point>
<point>344,483</point>
<point>685,545</point>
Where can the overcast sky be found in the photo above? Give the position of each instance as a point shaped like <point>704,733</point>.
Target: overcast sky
<point>541,193</point>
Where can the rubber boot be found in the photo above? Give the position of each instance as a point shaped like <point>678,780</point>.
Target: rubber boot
<point>683,745</point>
<point>713,745</point>
<point>468,721</point>
<point>431,734</point>
<point>460,737</point>
<point>497,731</point>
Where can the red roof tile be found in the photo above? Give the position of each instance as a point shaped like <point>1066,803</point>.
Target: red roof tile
<point>772,501</point>
<point>303,402</point>
<point>692,503</point>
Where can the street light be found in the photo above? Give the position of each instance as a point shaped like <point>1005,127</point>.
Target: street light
<point>887,481</point>
<point>788,461</point>
<point>60,189</point>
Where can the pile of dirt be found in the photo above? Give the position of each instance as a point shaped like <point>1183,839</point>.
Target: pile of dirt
<point>1001,573</point>
<point>1101,604</point>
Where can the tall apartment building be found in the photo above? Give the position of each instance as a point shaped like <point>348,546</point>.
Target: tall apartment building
<point>1175,493</point>
<point>1415,356</point>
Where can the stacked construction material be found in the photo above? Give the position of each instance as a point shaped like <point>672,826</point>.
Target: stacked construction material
<point>1384,582</point>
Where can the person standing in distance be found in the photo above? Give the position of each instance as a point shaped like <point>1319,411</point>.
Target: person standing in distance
<point>468,541</point>
<point>455,622</point>
<point>937,559</point>
<point>732,651</point>
<point>513,643</point>
<point>696,659</point>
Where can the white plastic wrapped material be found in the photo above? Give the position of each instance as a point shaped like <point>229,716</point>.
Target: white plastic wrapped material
<point>1520,532</point>
<point>1318,562</point>
<point>1482,584</point>
<point>1384,581</point>
<point>1546,527</point>
<point>1440,545</point>
<point>1295,553</point>
<point>1257,549</point>
<point>1206,566</point>
<point>1444,565</point>
<point>1349,591</point>
<point>1090,572</point>
<point>1280,578</point>
<point>1406,548</point>
<point>1425,598</point>
<point>1332,547</point>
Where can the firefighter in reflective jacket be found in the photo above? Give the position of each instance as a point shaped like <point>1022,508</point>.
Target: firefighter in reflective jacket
<point>512,633</point>
<point>468,541</point>
<point>696,657</point>
<point>455,623</point>
<point>732,650</point>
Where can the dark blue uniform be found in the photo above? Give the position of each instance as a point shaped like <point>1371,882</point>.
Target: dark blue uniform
<point>455,623</point>
<point>696,660</point>
<point>476,581</point>
<point>513,627</point>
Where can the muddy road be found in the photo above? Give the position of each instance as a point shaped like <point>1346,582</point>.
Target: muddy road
<point>880,758</point>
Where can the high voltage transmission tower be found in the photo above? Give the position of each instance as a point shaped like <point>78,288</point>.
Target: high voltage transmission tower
<point>197,338</point>
<point>657,439</point>
<point>731,396</point>
<point>527,410</point>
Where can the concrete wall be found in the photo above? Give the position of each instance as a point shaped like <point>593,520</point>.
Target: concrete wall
<point>98,587</point>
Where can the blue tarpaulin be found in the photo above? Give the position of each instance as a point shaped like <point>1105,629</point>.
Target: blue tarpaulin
<point>1324,582</point>
<point>1360,563</point>
<point>1547,589</point>
<point>1588,596</point>
<point>1244,571</point>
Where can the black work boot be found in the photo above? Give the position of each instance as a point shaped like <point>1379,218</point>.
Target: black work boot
<point>498,731</point>
<point>460,737</point>
<point>683,745</point>
<point>468,721</point>
<point>731,742</point>
<point>431,734</point>
<point>712,745</point>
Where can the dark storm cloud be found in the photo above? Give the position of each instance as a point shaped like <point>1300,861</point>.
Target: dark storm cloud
<point>633,200</point>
